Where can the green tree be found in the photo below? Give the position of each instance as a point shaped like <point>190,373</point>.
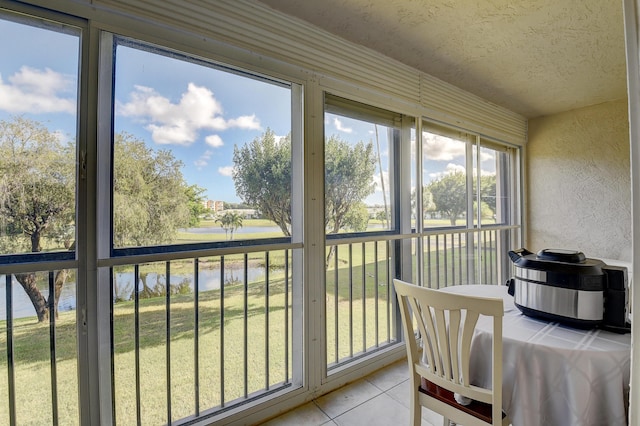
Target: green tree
<point>262,177</point>
<point>348,179</point>
<point>150,197</point>
<point>37,198</point>
<point>235,222</point>
<point>488,191</point>
<point>196,205</point>
<point>427,202</point>
<point>225,223</point>
<point>357,219</point>
<point>450,194</point>
<point>230,221</point>
<point>485,210</point>
<point>151,200</point>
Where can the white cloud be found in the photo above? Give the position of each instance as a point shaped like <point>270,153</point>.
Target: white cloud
<point>454,168</point>
<point>203,160</point>
<point>340,126</point>
<point>441,148</point>
<point>457,168</point>
<point>487,156</point>
<point>214,141</point>
<point>245,122</point>
<point>37,91</point>
<point>180,123</point>
<point>449,170</point>
<point>226,170</point>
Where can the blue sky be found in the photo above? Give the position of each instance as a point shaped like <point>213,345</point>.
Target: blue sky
<point>197,112</point>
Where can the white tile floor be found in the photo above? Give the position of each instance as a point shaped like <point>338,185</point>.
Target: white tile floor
<point>380,399</point>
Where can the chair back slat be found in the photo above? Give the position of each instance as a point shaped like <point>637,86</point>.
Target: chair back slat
<point>454,343</point>
<point>470,323</point>
<point>441,343</point>
<point>426,330</point>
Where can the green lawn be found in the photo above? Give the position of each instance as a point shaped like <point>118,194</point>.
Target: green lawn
<point>31,343</point>
<point>354,322</point>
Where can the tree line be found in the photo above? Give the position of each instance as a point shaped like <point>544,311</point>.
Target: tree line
<point>152,200</point>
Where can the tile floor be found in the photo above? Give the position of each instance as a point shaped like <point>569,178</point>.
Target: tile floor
<point>380,399</point>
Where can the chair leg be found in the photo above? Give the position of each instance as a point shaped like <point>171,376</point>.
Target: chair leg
<point>416,410</point>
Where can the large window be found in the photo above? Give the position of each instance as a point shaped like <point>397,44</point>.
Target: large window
<point>367,170</point>
<point>203,159</point>
<point>38,197</point>
<point>38,105</point>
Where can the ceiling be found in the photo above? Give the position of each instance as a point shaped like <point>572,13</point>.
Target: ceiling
<point>534,57</point>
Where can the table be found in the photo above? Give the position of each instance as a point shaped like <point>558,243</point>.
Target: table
<point>553,375</point>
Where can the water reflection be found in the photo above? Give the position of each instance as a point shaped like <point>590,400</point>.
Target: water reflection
<point>209,279</point>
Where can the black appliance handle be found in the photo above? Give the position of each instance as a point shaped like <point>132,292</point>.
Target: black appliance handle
<point>511,283</point>
<point>514,255</point>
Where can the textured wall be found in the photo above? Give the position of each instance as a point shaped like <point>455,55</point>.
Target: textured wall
<point>579,184</point>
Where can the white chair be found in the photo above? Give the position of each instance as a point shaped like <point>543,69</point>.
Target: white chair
<point>440,369</point>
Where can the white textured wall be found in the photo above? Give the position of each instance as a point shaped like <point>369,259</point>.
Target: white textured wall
<point>579,182</point>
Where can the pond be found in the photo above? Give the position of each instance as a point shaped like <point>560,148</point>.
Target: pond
<point>242,230</point>
<point>209,279</point>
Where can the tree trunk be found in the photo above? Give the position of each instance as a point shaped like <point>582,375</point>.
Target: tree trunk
<point>327,261</point>
<point>60,279</point>
<point>35,241</point>
<point>146,291</point>
<point>28,283</point>
<point>332,249</point>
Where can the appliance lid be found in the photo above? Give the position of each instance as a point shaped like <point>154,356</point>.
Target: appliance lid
<point>560,268</point>
<point>561,255</point>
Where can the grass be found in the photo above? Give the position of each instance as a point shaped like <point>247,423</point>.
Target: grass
<point>184,237</point>
<point>354,323</point>
<point>31,342</point>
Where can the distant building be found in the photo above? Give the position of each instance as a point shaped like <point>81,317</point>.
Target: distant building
<point>214,206</point>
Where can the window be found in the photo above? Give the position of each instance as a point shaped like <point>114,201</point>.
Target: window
<point>495,187</point>
<point>38,120</point>
<point>203,159</point>
<point>361,143</point>
<point>38,197</point>
<point>367,211</point>
<point>201,153</point>
<point>445,186</point>
<point>180,180</point>
<point>467,205</point>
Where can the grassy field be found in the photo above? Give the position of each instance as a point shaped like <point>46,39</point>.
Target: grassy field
<point>265,346</point>
<point>357,317</point>
<point>184,237</point>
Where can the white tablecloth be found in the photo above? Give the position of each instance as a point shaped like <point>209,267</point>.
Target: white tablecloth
<point>553,375</point>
